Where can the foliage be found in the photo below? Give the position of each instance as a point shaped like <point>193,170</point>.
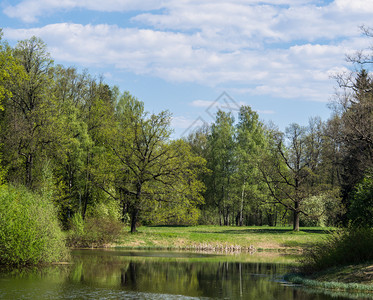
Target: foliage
<point>233,189</point>
<point>29,229</point>
<point>93,231</point>
<point>151,172</point>
<point>354,110</point>
<point>9,70</point>
<point>293,170</point>
<point>98,155</point>
<point>322,209</point>
<point>100,227</point>
<point>342,247</point>
<point>361,208</point>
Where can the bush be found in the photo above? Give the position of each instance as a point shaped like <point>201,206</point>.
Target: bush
<point>29,229</point>
<point>100,227</point>
<point>361,208</point>
<point>345,246</point>
<point>93,231</point>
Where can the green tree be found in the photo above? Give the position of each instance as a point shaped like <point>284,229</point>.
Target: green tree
<point>290,169</point>
<point>361,207</point>
<point>221,162</point>
<point>250,143</point>
<point>354,116</point>
<point>8,66</point>
<point>26,116</point>
<point>83,121</point>
<point>152,169</point>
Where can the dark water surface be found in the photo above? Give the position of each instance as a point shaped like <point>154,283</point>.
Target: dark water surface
<point>119,274</point>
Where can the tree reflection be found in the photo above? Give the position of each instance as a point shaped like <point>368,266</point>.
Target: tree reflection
<point>199,279</point>
<point>96,273</point>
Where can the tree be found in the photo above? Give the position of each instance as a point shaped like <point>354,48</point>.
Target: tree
<point>8,67</point>
<point>354,116</point>
<point>290,169</point>
<point>84,120</point>
<point>250,142</point>
<point>221,162</point>
<point>361,208</point>
<point>25,119</point>
<point>152,168</point>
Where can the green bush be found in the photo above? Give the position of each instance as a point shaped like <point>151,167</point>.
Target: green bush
<point>29,229</point>
<point>351,245</point>
<point>93,231</point>
<point>100,227</point>
<point>361,208</point>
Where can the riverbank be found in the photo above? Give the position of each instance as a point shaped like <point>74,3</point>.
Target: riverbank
<point>220,238</point>
<point>344,278</point>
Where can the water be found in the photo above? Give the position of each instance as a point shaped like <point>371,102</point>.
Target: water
<point>118,274</point>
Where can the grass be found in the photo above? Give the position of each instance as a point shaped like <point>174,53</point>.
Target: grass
<point>260,238</point>
<point>350,278</point>
<point>347,246</point>
<point>361,273</point>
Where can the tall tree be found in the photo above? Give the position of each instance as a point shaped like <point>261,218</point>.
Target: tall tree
<point>151,166</point>
<point>289,171</point>
<point>27,110</point>
<point>354,108</point>
<point>222,162</point>
<point>250,142</point>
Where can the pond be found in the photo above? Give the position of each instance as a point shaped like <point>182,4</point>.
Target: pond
<point>123,274</point>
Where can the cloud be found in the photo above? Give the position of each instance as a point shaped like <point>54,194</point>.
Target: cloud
<point>186,123</point>
<point>30,10</point>
<point>176,57</point>
<point>359,6</point>
<point>280,48</point>
<point>202,103</point>
<point>265,112</point>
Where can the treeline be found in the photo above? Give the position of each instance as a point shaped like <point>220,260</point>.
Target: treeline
<point>319,174</point>
<point>108,158</point>
<point>106,154</point>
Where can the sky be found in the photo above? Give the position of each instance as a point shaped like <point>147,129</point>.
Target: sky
<point>192,57</point>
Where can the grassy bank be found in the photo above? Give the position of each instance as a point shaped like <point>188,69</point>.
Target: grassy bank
<point>346,278</point>
<point>222,238</point>
<point>343,262</point>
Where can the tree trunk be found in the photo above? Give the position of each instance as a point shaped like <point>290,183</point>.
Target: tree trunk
<point>86,188</point>
<point>28,166</point>
<point>296,217</point>
<point>135,210</point>
<point>241,208</point>
<point>134,216</point>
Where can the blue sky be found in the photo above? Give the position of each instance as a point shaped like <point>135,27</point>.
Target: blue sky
<point>278,56</point>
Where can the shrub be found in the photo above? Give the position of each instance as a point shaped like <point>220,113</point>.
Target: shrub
<point>361,208</point>
<point>351,245</point>
<point>100,227</point>
<point>93,232</point>
<point>29,229</point>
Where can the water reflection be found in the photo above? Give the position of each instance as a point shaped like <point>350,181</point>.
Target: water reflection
<point>154,275</point>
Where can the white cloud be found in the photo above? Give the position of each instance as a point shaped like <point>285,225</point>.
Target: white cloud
<point>282,48</point>
<point>186,123</point>
<point>360,6</point>
<point>202,103</point>
<point>265,112</point>
<point>30,10</point>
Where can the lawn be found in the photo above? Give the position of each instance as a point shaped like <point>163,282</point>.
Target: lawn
<point>222,238</point>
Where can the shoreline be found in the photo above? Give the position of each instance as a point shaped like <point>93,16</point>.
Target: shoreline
<point>348,278</point>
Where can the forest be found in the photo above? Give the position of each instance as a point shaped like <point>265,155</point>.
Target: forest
<point>91,155</point>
